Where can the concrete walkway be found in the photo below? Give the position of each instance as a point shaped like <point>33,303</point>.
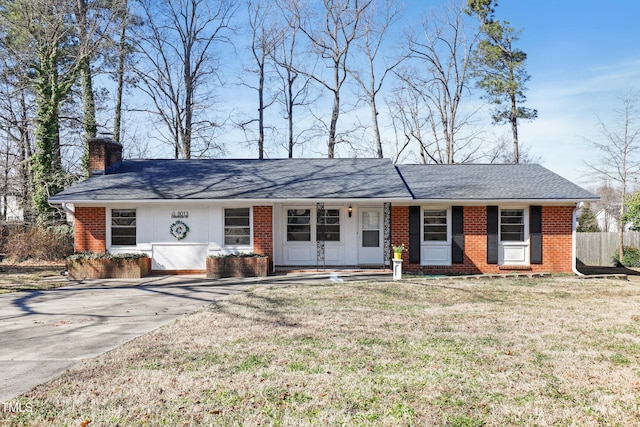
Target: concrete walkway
<point>44,333</point>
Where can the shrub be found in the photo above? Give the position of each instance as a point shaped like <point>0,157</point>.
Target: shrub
<point>631,257</point>
<point>239,255</point>
<point>92,255</point>
<point>38,242</point>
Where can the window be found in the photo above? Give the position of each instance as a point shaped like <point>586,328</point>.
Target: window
<point>370,229</point>
<point>330,230</point>
<point>512,225</point>
<point>237,227</point>
<point>123,227</point>
<point>435,225</point>
<point>298,225</point>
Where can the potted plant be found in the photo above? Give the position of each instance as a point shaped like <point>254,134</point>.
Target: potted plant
<point>397,251</point>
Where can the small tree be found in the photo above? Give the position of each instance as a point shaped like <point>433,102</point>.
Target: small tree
<point>619,154</point>
<point>587,222</point>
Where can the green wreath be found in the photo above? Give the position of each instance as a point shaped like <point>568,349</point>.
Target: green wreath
<point>179,230</point>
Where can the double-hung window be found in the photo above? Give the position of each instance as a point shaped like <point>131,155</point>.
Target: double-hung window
<point>512,225</point>
<point>298,225</point>
<point>301,223</point>
<point>123,227</point>
<point>328,226</point>
<point>435,225</point>
<point>237,227</point>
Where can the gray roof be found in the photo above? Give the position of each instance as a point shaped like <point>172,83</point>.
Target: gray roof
<point>279,179</point>
<point>489,182</point>
<point>241,179</point>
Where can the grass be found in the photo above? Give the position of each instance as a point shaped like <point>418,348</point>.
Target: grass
<point>557,351</point>
<point>30,277</point>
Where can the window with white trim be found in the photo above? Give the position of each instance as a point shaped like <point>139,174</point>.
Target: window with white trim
<point>123,227</point>
<point>237,227</point>
<point>298,225</point>
<point>435,225</point>
<point>512,225</point>
<point>330,230</point>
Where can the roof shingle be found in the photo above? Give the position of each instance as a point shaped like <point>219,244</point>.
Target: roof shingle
<point>489,182</point>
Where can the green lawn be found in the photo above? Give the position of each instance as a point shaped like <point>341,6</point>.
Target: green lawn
<point>557,351</point>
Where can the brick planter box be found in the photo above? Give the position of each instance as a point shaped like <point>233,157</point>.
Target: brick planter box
<point>108,268</point>
<point>219,267</point>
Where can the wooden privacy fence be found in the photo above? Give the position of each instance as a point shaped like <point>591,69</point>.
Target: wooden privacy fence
<point>599,248</point>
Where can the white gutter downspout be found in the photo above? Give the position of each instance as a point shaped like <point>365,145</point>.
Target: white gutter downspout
<point>573,243</point>
<point>67,209</point>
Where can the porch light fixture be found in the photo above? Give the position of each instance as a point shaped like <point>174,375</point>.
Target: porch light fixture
<point>350,211</point>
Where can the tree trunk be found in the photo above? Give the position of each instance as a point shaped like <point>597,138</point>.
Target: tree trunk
<point>47,165</point>
<point>122,53</point>
<point>376,128</point>
<point>25,157</point>
<point>261,112</point>
<point>290,107</point>
<point>90,128</point>
<point>514,128</point>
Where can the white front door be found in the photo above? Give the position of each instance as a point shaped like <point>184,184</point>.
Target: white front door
<point>371,231</point>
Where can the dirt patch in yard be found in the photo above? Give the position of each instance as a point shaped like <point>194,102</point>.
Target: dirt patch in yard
<point>553,351</point>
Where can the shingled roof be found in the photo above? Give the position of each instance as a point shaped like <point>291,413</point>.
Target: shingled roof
<point>489,182</point>
<point>213,179</point>
<point>279,179</point>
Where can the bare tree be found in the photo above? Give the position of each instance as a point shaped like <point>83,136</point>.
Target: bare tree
<point>619,153</point>
<point>179,63</point>
<point>94,22</point>
<point>377,20</point>
<point>263,41</point>
<point>288,59</point>
<point>332,34</point>
<point>123,51</point>
<point>409,122</point>
<point>443,53</point>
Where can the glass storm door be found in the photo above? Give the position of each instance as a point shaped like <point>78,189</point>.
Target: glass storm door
<point>370,237</point>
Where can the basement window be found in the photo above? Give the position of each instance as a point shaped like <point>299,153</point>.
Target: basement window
<point>123,227</point>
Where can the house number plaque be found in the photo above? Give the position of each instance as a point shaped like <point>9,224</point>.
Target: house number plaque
<point>180,214</point>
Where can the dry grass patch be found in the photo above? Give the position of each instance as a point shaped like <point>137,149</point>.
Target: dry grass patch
<point>30,277</point>
<point>554,351</point>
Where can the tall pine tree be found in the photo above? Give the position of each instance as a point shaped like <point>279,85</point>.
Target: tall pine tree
<point>499,68</point>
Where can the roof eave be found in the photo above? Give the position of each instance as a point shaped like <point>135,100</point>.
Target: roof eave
<point>235,200</point>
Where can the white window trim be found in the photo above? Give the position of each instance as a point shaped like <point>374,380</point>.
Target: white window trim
<point>435,242</point>
<point>525,218</point>
<point>238,247</point>
<point>314,221</point>
<point>524,244</point>
<point>120,248</point>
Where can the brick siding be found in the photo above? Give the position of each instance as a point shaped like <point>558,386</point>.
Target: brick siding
<point>263,230</point>
<point>90,229</point>
<point>556,242</point>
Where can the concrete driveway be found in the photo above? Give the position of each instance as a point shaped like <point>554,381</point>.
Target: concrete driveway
<point>44,333</point>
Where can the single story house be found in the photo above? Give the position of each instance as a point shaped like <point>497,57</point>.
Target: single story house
<point>333,213</point>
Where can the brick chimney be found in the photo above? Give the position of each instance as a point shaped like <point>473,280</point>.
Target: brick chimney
<point>105,156</point>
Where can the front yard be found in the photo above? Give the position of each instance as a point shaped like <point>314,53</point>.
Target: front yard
<point>31,277</point>
<point>557,351</point>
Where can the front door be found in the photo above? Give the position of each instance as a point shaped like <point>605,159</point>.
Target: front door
<point>370,236</point>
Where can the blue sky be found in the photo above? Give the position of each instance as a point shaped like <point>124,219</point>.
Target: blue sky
<point>582,55</point>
